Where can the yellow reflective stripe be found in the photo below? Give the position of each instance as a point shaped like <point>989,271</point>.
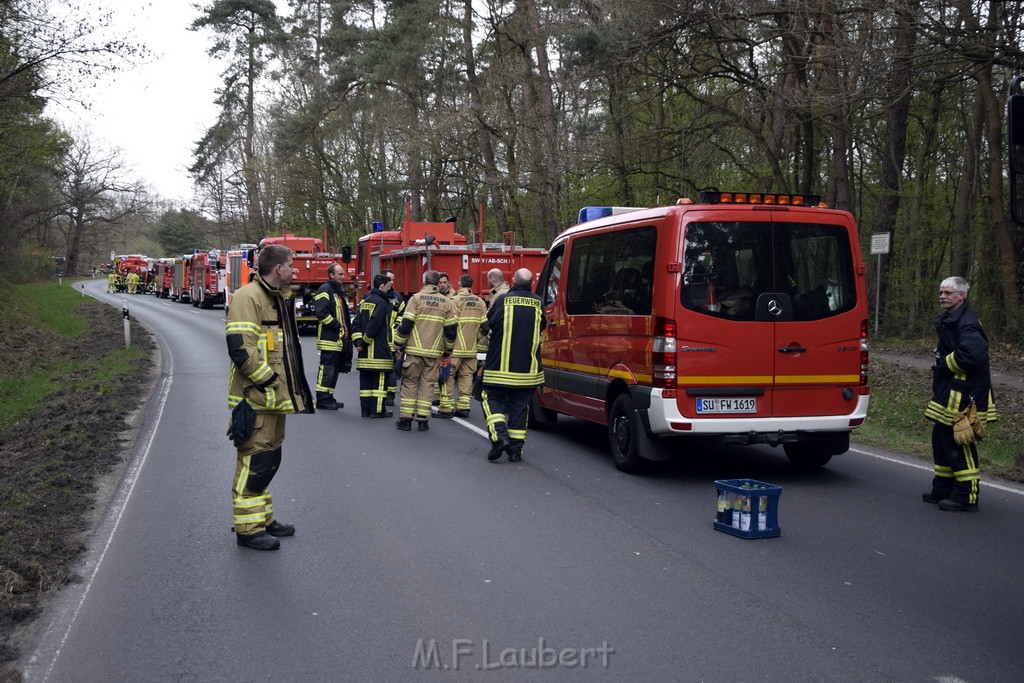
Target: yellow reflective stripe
<point>254,501</point>
<point>328,319</point>
<point>967,475</point>
<point>321,295</point>
<point>953,366</point>
<point>239,327</point>
<point>243,476</point>
<point>261,373</point>
<point>250,519</point>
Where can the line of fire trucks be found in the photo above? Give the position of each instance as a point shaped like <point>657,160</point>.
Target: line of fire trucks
<point>209,278</point>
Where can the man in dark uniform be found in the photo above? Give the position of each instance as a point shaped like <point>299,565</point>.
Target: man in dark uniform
<point>266,372</point>
<point>961,376</point>
<point>332,337</point>
<point>371,336</point>
<point>397,311</point>
<point>512,369</point>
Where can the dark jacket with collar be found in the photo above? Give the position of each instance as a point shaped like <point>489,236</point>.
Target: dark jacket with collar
<point>961,368</point>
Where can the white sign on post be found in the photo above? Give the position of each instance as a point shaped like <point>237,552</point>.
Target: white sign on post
<point>880,242</point>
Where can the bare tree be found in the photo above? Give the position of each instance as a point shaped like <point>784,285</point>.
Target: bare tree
<point>96,199</point>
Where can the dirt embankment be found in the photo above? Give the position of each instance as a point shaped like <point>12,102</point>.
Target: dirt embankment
<point>53,463</point>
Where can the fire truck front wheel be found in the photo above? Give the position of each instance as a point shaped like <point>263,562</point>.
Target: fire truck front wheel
<point>624,434</point>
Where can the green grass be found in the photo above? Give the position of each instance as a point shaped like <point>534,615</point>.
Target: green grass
<point>896,419</point>
<point>51,305</point>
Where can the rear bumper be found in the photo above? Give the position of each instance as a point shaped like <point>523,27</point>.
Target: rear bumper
<point>664,419</point>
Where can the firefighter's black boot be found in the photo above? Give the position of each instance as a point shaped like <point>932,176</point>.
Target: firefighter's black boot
<point>497,448</point>
<point>422,425</point>
<point>277,528</point>
<point>260,541</point>
<point>404,423</point>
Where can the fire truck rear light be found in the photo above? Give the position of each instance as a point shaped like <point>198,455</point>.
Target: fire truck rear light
<point>668,393</point>
<point>681,426</point>
<point>857,422</point>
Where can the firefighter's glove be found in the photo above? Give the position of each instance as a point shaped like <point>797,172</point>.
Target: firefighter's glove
<point>963,433</point>
<point>446,369</point>
<point>977,426</point>
<point>243,421</point>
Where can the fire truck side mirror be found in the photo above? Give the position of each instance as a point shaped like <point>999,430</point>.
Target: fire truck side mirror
<point>346,254</point>
<point>1015,146</point>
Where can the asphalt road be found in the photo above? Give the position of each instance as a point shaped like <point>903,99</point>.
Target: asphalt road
<point>412,541</point>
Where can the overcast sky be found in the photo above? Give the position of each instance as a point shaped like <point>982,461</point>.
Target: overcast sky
<point>156,111</point>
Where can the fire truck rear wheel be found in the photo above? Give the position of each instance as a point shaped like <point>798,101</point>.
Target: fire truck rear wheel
<point>624,433</point>
<point>806,456</point>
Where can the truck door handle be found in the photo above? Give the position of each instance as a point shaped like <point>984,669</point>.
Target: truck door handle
<point>791,349</point>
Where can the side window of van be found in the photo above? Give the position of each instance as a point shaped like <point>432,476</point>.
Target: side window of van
<point>547,285</point>
<point>610,273</point>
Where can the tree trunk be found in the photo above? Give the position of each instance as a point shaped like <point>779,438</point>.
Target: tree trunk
<point>550,209</point>
<point>839,114</point>
<point>962,213</point>
<point>492,179</point>
<point>899,93</point>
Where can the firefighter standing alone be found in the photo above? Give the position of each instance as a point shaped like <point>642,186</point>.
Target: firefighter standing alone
<point>512,370</point>
<point>961,377</point>
<point>332,337</point>
<point>266,373</point>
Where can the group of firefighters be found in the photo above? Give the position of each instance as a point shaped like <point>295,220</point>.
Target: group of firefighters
<point>129,283</point>
<point>424,351</point>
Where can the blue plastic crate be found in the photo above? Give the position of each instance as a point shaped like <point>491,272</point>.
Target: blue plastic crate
<point>744,517</point>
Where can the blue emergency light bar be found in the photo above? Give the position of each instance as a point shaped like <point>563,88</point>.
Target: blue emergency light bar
<point>592,213</point>
<point>378,226</point>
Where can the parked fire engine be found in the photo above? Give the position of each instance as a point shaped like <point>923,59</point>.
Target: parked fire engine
<point>239,263</point>
<point>420,245</point>
<point>163,277</point>
<point>207,278</point>
<point>181,279</point>
<point>311,263</point>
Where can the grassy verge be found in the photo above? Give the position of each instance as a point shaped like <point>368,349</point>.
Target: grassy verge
<point>896,420</point>
<point>67,389</point>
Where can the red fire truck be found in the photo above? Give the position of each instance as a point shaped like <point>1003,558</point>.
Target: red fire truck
<point>163,277</point>
<point>181,279</point>
<point>419,246</point>
<point>207,278</point>
<point>311,262</point>
<point>239,262</point>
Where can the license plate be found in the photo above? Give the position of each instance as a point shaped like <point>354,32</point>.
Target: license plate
<point>726,405</point>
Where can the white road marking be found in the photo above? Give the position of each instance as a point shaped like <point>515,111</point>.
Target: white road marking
<point>998,487</point>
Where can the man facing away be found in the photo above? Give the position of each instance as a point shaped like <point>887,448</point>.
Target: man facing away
<point>266,371</point>
<point>332,337</point>
<point>496,281</point>
<point>512,370</point>
<point>426,334</point>
<point>371,335</point>
<point>960,377</point>
<point>470,314</point>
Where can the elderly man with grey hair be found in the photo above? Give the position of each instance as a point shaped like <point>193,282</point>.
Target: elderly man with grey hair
<point>960,378</point>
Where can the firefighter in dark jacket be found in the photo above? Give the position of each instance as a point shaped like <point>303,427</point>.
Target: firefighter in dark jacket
<point>266,372</point>
<point>961,376</point>
<point>397,311</point>
<point>512,369</point>
<point>332,337</point>
<point>371,336</point>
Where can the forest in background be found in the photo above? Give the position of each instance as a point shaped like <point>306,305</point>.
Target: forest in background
<point>332,114</point>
